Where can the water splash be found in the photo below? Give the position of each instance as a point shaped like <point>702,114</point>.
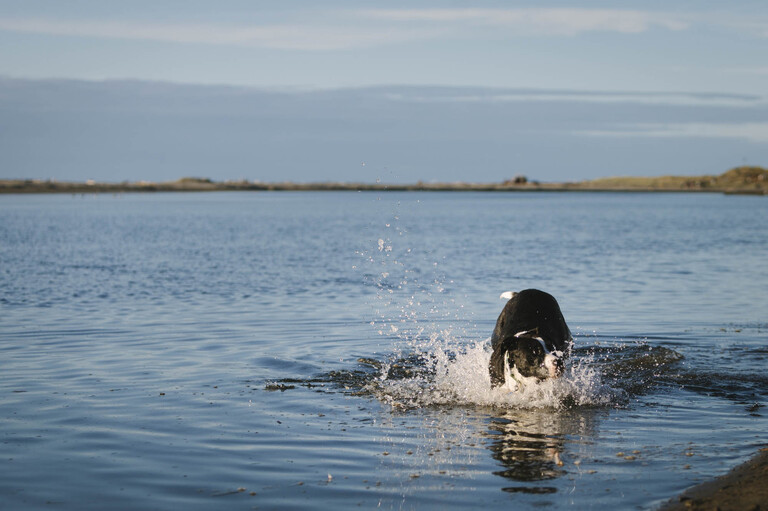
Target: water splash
<point>431,365</point>
<point>444,371</point>
<point>447,370</point>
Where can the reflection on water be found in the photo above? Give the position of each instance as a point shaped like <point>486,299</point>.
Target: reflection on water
<point>528,449</point>
<point>530,445</point>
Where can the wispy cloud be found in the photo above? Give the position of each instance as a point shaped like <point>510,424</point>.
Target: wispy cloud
<point>471,95</point>
<point>279,36</point>
<point>756,71</point>
<point>543,21</point>
<point>364,28</point>
<point>748,131</point>
<point>756,27</point>
<point>345,29</point>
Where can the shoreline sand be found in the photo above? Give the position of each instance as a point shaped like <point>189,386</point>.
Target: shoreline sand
<point>744,488</point>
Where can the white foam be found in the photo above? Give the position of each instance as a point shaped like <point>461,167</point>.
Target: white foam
<point>457,374</point>
<point>452,371</point>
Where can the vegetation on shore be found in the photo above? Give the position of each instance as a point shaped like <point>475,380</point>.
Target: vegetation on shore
<point>742,180</point>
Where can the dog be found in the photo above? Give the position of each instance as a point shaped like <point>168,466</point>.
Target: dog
<point>530,341</point>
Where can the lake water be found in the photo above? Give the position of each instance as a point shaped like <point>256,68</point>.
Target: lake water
<point>329,350</point>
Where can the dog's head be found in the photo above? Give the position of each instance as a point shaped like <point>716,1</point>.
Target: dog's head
<point>531,359</point>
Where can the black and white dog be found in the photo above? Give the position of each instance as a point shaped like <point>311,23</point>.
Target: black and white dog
<point>530,341</point>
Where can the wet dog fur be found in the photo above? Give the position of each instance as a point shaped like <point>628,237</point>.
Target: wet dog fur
<point>530,341</point>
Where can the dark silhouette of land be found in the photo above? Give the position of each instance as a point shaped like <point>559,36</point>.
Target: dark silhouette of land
<point>740,180</point>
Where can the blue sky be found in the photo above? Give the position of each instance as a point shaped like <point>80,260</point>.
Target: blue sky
<point>415,90</point>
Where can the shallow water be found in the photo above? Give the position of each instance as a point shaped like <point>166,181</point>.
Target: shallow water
<point>310,350</point>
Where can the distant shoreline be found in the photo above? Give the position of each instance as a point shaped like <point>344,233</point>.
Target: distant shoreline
<point>740,180</point>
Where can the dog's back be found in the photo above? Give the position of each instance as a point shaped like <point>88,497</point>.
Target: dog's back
<point>531,335</point>
<point>536,313</point>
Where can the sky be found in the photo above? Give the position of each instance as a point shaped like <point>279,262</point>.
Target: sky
<point>390,91</point>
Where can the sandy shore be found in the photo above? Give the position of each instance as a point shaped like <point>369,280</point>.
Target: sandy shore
<point>745,488</point>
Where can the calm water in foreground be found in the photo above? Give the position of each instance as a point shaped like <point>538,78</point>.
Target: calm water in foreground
<point>329,350</point>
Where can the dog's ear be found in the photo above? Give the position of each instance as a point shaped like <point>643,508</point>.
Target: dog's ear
<point>496,364</point>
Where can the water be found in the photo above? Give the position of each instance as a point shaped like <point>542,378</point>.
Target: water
<point>319,350</point>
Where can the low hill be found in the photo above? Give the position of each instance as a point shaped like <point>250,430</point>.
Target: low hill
<point>746,179</point>
<point>743,180</point>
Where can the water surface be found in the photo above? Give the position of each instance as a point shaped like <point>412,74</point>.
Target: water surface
<point>311,350</point>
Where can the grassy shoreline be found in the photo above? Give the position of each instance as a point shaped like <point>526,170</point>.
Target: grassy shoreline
<point>740,180</point>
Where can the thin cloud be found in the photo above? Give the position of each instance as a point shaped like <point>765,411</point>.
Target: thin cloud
<point>760,71</point>
<point>364,28</point>
<point>283,36</point>
<point>749,131</point>
<point>548,96</point>
<point>755,27</point>
<point>544,21</point>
